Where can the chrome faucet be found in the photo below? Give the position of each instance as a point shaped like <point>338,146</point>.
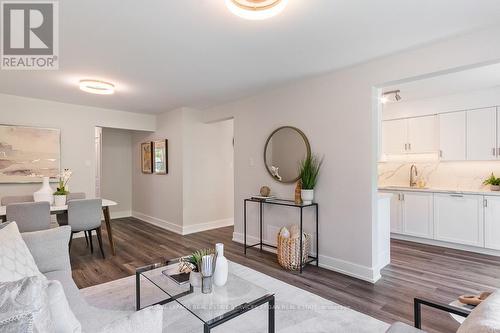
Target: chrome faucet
<point>413,181</point>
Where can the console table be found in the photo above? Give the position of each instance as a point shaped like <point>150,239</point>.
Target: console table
<point>285,203</point>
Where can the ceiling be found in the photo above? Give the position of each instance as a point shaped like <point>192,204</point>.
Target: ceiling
<point>162,54</point>
<point>470,80</point>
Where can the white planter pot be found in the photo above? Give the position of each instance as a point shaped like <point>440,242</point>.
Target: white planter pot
<point>495,187</point>
<point>59,200</point>
<point>307,196</point>
<point>221,266</point>
<point>195,279</point>
<point>44,193</point>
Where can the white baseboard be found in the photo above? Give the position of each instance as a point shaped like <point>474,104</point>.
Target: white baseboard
<point>158,222</point>
<point>341,266</point>
<point>446,244</point>
<point>120,214</point>
<point>183,230</point>
<point>190,229</point>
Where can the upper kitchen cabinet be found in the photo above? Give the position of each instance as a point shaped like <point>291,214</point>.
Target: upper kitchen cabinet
<point>452,136</point>
<point>395,136</point>
<point>482,134</point>
<point>422,134</point>
<point>413,135</point>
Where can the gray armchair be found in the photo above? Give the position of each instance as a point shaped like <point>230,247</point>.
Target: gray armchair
<point>29,216</point>
<point>85,215</point>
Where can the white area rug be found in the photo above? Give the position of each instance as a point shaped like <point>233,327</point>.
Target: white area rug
<point>297,311</point>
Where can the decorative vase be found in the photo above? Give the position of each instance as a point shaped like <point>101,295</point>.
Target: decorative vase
<point>59,200</point>
<point>307,196</point>
<point>195,279</point>
<point>221,266</point>
<point>495,187</point>
<point>298,195</point>
<point>44,193</point>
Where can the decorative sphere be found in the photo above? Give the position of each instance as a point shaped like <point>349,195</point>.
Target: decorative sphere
<point>265,191</point>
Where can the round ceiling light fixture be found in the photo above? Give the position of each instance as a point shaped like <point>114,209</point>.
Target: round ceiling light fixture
<point>256,9</point>
<point>97,87</point>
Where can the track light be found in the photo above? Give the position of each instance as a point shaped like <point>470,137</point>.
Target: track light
<point>392,95</point>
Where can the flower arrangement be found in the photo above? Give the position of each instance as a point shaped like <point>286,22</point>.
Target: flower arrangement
<point>64,178</point>
<point>192,263</point>
<point>309,171</point>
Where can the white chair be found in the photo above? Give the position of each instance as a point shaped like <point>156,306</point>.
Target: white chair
<point>29,216</point>
<point>85,215</point>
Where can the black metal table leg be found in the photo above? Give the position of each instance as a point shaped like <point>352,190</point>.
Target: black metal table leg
<point>245,226</point>
<point>317,238</point>
<point>271,316</point>
<point>206,328</point>
<point>137,291</point>
<point>261,222</point>
<point>300,244</point>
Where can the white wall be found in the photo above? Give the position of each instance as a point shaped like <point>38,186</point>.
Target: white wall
<point>77,124</point>
<point>116,166</point>
<point>197,192</point>
<point>336,113</point>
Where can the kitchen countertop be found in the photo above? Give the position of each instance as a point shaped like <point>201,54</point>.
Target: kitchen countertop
<point>439,190</point>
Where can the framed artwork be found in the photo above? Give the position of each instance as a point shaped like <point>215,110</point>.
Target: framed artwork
<point>147,157</point>
<point>29,153</point>
<point>161,157</point>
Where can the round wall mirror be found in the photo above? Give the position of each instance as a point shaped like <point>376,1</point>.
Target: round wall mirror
<point>285,148</point>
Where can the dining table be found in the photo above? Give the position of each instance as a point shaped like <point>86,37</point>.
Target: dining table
<point>61,209</point>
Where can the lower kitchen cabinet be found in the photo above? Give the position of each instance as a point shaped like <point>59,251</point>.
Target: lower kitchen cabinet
<point>492,222</point>
<point>459,219</point>
<point>417,214</point>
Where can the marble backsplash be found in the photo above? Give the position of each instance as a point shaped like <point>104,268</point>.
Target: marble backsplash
<point>467,175</point>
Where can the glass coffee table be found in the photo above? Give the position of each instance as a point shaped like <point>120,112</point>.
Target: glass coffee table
<point>225,303</point>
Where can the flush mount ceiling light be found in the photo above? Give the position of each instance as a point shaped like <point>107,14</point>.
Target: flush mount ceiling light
<point>97,87</point>
<point>389,96</point>
<point>256,9</point>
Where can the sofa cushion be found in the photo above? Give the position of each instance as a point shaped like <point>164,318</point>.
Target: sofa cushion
<point>64,319</point>
<point>24,306</point>
<point>485,318</point>
<point>147,320</point>
<point>16,261</point>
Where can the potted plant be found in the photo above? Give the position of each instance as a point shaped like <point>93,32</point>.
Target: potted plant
<point>494,182</point>
<point>192,264</point>
<point>60,195</point>
<point>309,171</point>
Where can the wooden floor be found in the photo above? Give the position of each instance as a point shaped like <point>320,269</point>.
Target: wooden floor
<point>415,270</point>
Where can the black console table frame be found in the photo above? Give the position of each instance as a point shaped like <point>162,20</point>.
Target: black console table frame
<point>286,203</point>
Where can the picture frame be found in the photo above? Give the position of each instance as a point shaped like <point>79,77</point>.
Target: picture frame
<point>147,157</point>
<point>160,157</point>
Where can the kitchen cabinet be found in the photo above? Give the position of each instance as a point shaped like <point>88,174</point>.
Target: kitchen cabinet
<point>492,222</point>
<point>395,136</point>
<point>452,136</point>
<point>411,214</point>
<point>482,134</point>
<point>422,134</point>
<point>459,219</point>
<point>417,214</point>
<point>396,214</point>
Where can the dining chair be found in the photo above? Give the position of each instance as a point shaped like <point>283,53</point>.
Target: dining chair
<point>85,215</point>
<point>16,199</point>
<point>29,216</point>
<point>62,218</point>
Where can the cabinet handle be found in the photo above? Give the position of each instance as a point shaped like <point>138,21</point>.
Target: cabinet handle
<point>485,202</point>
<point>409,146</point>
<point>498,151</point>
<point>406,146</point>
<point>441,153</point>
<point>457,195</point>
<point>494,152</point>
<point>402,197</point>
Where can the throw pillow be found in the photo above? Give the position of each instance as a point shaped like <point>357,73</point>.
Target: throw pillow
<point>64,319</point>
<point>147,320</point>
<point>16,261</point>
<point>24,306</point>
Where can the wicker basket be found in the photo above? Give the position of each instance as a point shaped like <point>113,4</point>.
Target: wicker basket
<point>288,250</point>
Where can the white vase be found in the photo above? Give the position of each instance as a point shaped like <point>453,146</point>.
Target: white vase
<point>44,193</point>
<point>195,279</point>
<point>307,196</point>
<point>221,266</point>
<point>59,200</point>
